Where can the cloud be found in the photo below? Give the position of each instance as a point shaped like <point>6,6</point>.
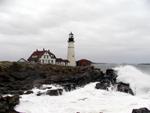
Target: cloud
<point>105,30</point>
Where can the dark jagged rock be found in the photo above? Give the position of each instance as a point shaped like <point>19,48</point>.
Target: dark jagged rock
<point>141,110</point>
<point>109,79</point>
<point>40,93</point>
<point>111,75</point>
<point>16,78</point>
<point>28,92</point>
<point>70,82</point>
<point>69,86</point>
<point>46,88</point>
<point>104,84</point>
<point>7,104</point>
<point>123,87</point>
<point>54,92</point>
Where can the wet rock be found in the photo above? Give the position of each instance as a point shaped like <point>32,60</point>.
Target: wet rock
<point>111,75</point>
<point>108,79</point>
<point>69,86</point>
<point>28,92</point>
<point>54,92</point>
<point>141,110</point>
<point>40,93</point>
<point>104,84</point>
<point>7,104</point>
<point>123,87</point>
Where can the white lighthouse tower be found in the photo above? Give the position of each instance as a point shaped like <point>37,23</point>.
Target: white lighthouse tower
<point>71,50</point>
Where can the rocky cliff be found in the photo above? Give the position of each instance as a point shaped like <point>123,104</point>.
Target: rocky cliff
<point>20,78</point>
<point>15,78</point>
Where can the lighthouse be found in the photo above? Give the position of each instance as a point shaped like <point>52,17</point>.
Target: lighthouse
<point>71,50</point>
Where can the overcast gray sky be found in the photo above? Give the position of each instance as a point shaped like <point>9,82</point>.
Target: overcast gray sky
<point>105,30</point>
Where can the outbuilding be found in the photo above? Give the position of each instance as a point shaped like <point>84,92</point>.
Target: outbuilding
<point>84,62</point>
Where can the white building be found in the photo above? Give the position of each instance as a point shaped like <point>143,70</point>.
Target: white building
<point>43,57</point>
<point>46,57</point>
<point>71,50</point>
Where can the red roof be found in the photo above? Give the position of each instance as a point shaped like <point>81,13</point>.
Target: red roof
<point>36,55</point>
<point>83,62</point>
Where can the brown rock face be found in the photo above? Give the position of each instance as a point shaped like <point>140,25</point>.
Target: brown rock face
<point>15,78</point>
<point>7,104</point>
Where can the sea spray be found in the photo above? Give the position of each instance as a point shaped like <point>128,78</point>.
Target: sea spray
<point>90,100</point>
<point>84,100</point>
<point>138,80</point>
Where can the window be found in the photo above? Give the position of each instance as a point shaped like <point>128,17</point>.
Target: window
<point>43,61</point>
<point>52,61</point>
<point>49,61</point>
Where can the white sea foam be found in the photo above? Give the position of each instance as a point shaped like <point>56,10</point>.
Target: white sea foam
<point>138,80</point>
<point>90,100</point>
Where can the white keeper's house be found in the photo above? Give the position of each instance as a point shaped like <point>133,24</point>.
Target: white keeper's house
<point>46,57</point>
<point>43,57</point>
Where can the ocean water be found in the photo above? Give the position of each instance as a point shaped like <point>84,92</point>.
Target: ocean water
<point>89,100</point>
